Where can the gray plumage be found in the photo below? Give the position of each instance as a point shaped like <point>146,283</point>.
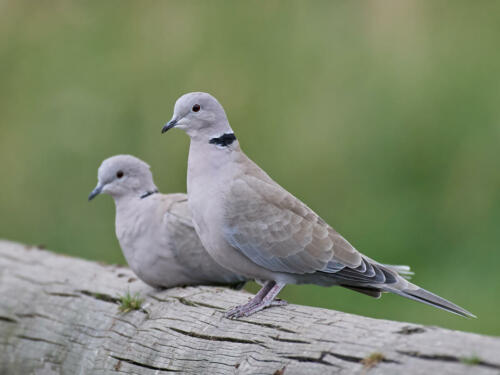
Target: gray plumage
<point>251,225</point>
<point>155,231</point>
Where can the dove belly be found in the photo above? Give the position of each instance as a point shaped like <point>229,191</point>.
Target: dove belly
<point>148,249</point>
<point>208,218</point>
<point>151,262</point>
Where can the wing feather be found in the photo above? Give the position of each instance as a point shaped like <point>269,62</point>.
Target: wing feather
<point>279,232</point>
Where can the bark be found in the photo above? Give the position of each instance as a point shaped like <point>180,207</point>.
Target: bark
<point>59,315</point>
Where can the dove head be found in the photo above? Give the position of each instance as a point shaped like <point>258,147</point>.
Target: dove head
<point>124,175</point>
<point>200,115</point>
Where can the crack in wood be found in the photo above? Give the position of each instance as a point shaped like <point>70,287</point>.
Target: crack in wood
<point>100,296</point>
<point>147,346</point>
<point>319,360</point>
<point>354,359</point>
<point>8,319</point>
<point>186,302</point>
<point>328,341</point>
<point>265,360</point>
<point>218,338</point>
<point>268,325</point>
<point>117,318</point>
<point>343,357</point>
<point>293,341</point>
<point>39,339</point>
<point>144,365</point>
<point>120,333</point>
<point>32,315</point>
<point>62,294</point>
<point>447,358</point>
<point>408,330</point>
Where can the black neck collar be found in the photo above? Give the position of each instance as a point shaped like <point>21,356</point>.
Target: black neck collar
<point>224,140</point>
<point>148,193</point>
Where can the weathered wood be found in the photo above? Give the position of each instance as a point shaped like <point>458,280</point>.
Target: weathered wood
<point>58,315</point>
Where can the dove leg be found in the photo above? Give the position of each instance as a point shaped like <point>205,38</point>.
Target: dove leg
<point>268,285</point>
<point>264,298</point>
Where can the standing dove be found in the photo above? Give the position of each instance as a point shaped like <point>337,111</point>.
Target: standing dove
<point>254,227</point>
<point>155,230</point>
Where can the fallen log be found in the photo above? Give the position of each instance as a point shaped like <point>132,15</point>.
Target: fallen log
<point>59,315</point>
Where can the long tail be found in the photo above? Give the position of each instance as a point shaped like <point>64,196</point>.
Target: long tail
<point>416,293</point>
<point>372,278</point>
<point>404,271</point>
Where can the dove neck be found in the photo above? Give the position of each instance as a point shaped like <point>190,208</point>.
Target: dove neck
<point>224,140</point>
<point>209,162</point>
<point>148,193</point>
<point>216,133</point>
<point>139,194</point>
<point>131,208</point>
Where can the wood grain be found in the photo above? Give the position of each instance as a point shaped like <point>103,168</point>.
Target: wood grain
<point>59,315</point>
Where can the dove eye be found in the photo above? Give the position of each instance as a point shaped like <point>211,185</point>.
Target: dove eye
<point>119,174</point>
<point>196,108</point>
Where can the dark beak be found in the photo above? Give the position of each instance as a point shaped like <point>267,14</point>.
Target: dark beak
<point>169,125</point>
<point>95,192</point>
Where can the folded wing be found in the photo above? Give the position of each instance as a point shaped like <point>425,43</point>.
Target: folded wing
<point>279,232</point>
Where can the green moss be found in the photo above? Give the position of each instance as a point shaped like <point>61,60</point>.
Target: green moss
<point>471,361</point>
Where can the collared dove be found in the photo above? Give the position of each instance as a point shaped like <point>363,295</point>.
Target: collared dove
<point>155,230</point>
<point>254,227</point>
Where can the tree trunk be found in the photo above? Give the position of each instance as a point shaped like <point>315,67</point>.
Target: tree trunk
<point>59,315</point>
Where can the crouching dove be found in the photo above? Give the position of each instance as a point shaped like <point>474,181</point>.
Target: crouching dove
<point>254,227</point>
<point>155,230</point>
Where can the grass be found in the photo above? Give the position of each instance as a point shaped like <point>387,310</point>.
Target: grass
<point>372,360</point>
<point>471,361</point>
<point>129,302</point>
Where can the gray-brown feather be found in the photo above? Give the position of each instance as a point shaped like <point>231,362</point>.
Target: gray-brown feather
<point>279,232</point>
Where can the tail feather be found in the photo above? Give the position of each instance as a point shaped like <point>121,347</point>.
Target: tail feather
<point>402,270</point>
<point>372,292</point>
<point>424,296</point>
<point>374,278</point>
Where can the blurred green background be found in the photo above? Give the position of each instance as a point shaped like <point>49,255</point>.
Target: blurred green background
<point>384,117</point>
